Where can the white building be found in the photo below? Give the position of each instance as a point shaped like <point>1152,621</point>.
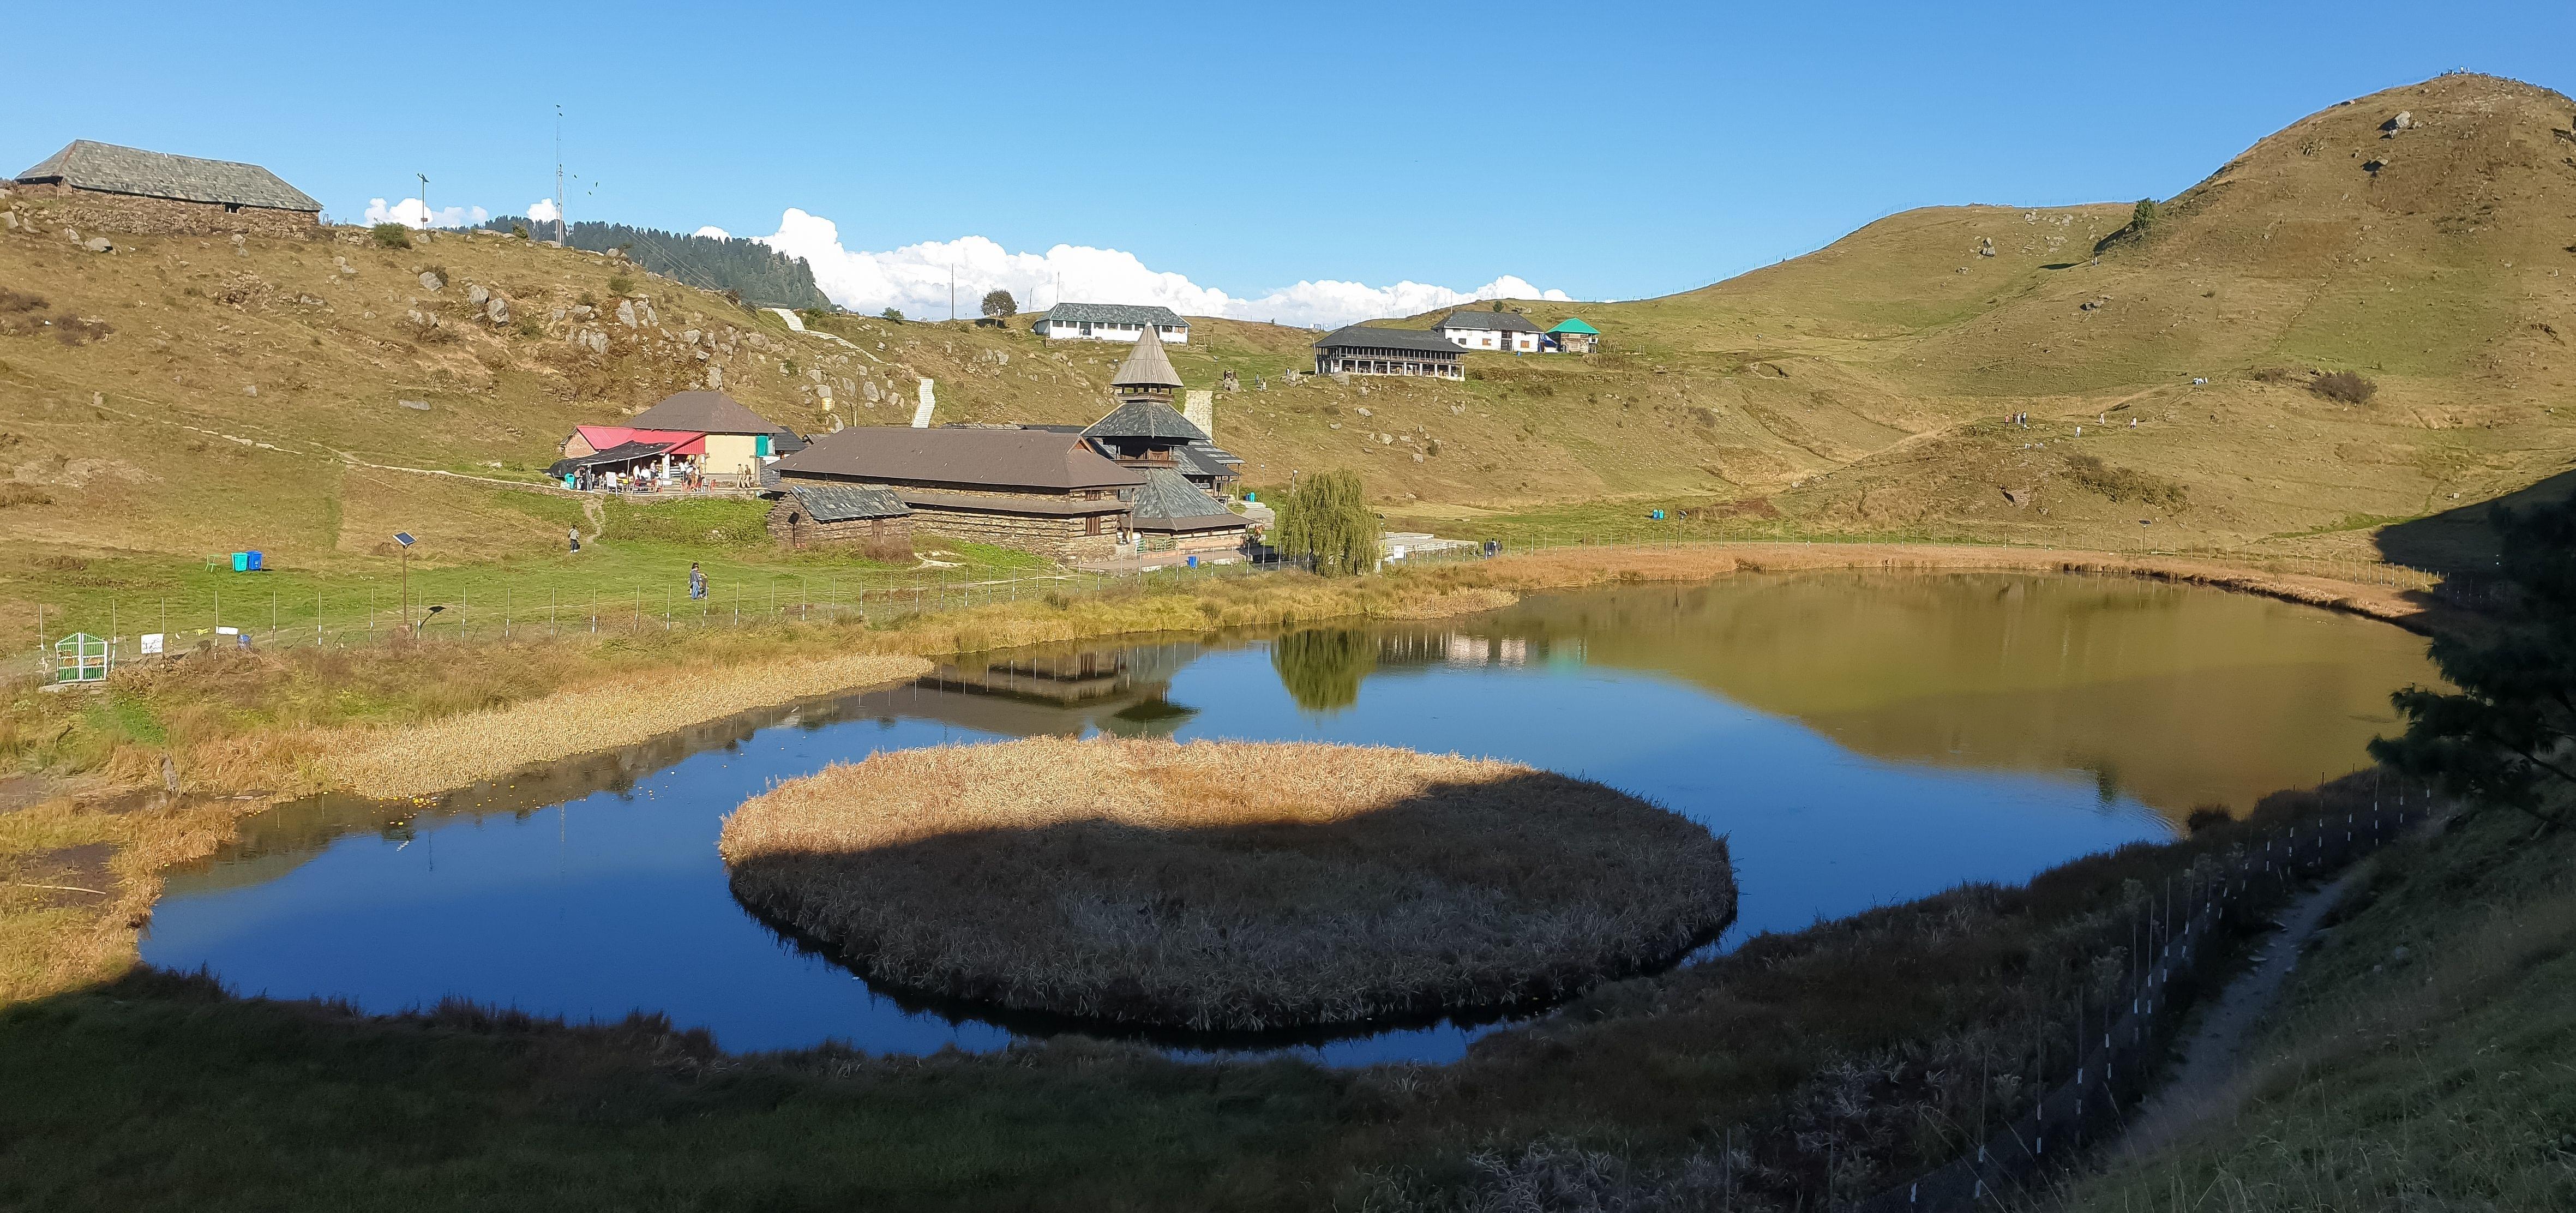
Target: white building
<point>1111,322</point>
<point>1509,331</point>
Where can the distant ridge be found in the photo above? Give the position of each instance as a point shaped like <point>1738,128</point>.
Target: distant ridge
<point>763,276</point>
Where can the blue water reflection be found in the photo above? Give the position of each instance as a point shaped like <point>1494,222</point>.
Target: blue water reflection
<point>603,903</point>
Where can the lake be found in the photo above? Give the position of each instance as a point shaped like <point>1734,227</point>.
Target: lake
<point>1860,738</point>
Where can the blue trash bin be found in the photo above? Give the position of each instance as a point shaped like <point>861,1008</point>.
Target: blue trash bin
<point>255,562</point>
<point>1194,562</point>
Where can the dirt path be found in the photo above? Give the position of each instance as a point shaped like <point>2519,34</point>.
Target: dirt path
<point>2211,1057</point>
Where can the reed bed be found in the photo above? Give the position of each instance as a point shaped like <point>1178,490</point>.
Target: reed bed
<point>1226,886</point>
<point>467,748</point>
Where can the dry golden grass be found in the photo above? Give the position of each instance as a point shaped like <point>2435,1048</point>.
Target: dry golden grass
<point>455,751</point>
<point>1455,602</point>
<point>1226,886</point>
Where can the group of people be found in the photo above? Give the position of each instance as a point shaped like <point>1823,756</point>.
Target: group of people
<point>648,480</point>
<point>697,576</point>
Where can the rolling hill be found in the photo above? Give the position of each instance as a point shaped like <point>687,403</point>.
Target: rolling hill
<point>180,396</point>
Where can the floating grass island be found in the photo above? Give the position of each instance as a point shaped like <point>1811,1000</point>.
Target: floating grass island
<point>1226,886</point>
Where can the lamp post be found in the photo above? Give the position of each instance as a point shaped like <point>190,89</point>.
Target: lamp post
<point>404,539</point>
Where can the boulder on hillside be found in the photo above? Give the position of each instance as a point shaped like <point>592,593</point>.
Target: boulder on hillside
<point>430,281</point>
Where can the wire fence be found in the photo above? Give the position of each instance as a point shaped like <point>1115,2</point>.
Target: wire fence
<point>2119,1045</point>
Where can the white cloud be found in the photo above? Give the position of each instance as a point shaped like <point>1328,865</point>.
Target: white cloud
<point>713,232</point>
<point>915,279</point>
<point>410,212</point>
<point>542,211</point>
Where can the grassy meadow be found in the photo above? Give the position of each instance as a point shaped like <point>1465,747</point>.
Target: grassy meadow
<point>1226,886</point>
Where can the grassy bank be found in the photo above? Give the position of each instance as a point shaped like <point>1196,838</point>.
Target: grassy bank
<point>1227,886</point>
<point>2424,1055</point>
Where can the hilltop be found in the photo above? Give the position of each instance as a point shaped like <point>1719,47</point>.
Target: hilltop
<point>196,396</point>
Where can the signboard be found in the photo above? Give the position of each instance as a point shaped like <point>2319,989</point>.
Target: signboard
<point>152,644</point>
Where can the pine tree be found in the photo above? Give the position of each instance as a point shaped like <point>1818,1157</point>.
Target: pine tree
<point>2508,736</point>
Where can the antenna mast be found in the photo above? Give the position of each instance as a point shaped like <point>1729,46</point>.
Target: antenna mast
<point>559,197</point>
<point>424,200</point>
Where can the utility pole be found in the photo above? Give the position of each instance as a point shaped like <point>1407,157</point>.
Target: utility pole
<point>559,197</point>
<point>424,200</point>
<point>952,292</point>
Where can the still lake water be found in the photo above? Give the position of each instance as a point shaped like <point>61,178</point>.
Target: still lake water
<point>1860,738</point>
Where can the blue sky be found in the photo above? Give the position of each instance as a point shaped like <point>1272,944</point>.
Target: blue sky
<point>1606,151</point>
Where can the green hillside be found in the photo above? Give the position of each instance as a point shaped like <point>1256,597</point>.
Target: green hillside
<point>180,396</point>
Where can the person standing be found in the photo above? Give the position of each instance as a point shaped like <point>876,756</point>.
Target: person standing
<point>697,582</point>
<point>575,537</point>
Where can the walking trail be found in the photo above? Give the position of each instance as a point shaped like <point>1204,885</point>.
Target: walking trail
<point>2212,1057</point>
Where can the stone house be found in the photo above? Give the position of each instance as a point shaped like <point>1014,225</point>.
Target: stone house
<point>1571,336</point>
<point>865,516</point>
<point>1040,491</point>
<point>104,187</point>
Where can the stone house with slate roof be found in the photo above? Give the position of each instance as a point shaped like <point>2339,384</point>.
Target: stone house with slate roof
<point>872,518</point>
<point>1111,322</point>
<point>104,187</point>
<point>1041,491</point>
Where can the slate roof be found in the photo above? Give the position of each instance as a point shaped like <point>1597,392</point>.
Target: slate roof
<point>1146,365</point>
<point>1169,502</point>
<point>1574,324</point>
<point>1509,322</point>
<point>1200,459</point>
<point>1370,337</point>
<point>625,452</point>
<point>999,459</point>
<point>111,169</point>
<point>1146,419</point>
<point>1114,313</point>
<point>845,502</point>
<point>705,413</point>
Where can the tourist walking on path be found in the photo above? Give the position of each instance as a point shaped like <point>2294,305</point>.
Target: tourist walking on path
<point>575,537</point>
<point>697,582</point>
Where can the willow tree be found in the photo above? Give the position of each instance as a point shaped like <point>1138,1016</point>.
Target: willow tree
<point>1328,518</point>
<point>1323,667</point>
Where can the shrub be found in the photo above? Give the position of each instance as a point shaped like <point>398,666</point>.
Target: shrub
<point>2123,484</point>
<point>619,284</point>
<point>19,301</point>
<point>519,230</point>
<point>2344,387</point>
<point>392,235</point>
<point>1328,518</point>
<point>892,314</point>
<point>14,493</point>
<point>2143,215</point>
<point>72,330</point>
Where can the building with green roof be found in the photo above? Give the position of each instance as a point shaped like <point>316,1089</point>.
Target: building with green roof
<point>1572,336</point>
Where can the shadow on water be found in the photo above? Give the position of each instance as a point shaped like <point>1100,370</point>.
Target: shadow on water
<point>1464,904</point>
